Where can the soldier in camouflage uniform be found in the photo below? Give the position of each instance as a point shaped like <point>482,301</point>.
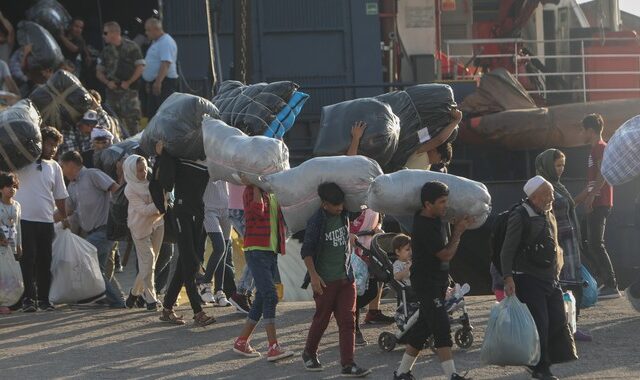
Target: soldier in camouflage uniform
<point>120,66</point>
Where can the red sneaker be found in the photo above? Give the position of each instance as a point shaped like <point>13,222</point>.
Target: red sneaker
<point>276,353</point>
<point>244,348</point>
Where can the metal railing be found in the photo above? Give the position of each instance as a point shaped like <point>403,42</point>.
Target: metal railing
<point>464,59</point>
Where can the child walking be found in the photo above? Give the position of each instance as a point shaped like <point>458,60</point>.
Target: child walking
<point>10,235</point>
<point>326,254</point>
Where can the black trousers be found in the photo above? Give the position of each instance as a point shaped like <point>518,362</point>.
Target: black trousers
<point>596,222</point>
<point>189,235</point>
<point>37,240</point>
<point>544,300</point>
<point>163,266</point>
<point>169,86</point>
<point>433,319</point>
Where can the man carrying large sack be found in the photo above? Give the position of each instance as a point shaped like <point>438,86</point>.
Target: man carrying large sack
<point>531,265</point>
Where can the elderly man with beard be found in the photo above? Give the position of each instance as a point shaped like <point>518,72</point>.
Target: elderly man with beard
<point>531,264</point>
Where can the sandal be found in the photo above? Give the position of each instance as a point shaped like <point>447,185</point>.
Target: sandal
<point>171,317</point>
<point>201,319</point>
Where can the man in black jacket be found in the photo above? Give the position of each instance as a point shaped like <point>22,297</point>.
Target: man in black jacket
<point>531,266</point>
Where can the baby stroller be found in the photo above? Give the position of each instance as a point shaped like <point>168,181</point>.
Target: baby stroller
<point>381,257</point>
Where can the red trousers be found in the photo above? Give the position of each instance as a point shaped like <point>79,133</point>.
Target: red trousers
<point>339,299</point>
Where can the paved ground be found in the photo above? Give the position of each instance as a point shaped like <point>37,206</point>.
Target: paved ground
<point>91,343</point>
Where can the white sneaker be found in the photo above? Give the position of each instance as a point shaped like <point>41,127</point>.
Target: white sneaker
<point>205,293</point>
<point>221,299</point>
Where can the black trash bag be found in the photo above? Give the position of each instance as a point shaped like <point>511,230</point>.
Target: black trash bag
<point>51,15</point>
<point>380,139</point>
<point>178,124</point>
<point>252,108</point>
<point>45,51</point>
<point>107,159</point>
<point>117,228</point>
<point>20,138</point>
<point>62,101</point>
<point>427,114</point>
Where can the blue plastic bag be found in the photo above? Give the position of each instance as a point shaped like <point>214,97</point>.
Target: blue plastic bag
<point>590,293</point>
<point>361,273</point>
<point>511,338</point>
<point>287,116</point>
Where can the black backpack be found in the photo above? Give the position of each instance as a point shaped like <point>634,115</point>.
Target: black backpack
<point>117,228</point>
<point>499,232</point>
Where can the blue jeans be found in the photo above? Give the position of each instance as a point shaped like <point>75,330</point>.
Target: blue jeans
<point>104,246</point>
<point>263,266</point>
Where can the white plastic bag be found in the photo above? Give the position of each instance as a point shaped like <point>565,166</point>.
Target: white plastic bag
<point>398,194</point>
<point>297,189</point>
<point>11,285</point>
<point>75,271</point>
<point>511,338</point>
<point>570,309</point>
<point>361,273</point>
<point>230,152</point>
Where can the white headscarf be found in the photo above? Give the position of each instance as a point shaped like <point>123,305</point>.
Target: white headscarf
<point>130,169</point>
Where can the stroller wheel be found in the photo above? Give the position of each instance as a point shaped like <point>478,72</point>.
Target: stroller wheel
<point>387,341</point>
<point>464,338</point>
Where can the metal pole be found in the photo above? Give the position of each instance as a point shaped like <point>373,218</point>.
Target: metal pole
<point>584,76</point>
<point>515,58</point>
<point>212,59</point>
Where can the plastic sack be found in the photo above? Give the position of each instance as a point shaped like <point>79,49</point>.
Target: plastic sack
<point>511,338</point>
<point>45,51</point>
<point>570,310</point>
<point>230,152</point>
<point>20,138</point>
<point>51,15</point>
<point>399,194</point>
<point>621,162</point>
<point>178,124</point>
<point>589,293</point>
<point>297,189</point>
<point>107,159</point>
<point>11,284</point>
<point>380,139</point>
<point>287,116</point>
<point>424,110</point>
<point>76,275</point>
<point>361,273</point>
<point>253,108</point>
<point>62,101</point>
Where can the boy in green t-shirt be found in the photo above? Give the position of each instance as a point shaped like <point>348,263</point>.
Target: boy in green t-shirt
<point>326,253</point>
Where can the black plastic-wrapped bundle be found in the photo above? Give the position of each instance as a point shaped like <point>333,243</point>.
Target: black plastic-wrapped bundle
<point>62,101</point>
<point>20,138</point>
<point>50,14</point>
<point>252,108</point>
<point>107,159</point>
<point>178,124</point>
<point>424,110</point>
<point>380,139</point>
<point>45,51</point>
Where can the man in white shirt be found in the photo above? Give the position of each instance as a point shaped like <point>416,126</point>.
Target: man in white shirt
<point>160,73</point>
<point>41,192</point>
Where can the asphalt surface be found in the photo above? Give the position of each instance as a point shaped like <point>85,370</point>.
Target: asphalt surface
<point>98,343</point>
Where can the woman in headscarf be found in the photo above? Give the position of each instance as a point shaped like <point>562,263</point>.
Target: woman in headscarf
<point>147,230</point>
<point>550,164</point>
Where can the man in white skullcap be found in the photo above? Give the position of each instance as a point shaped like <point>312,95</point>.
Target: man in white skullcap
<point>531,262</point>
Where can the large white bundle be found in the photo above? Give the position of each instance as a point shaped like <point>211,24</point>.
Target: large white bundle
<point>621,162</point>
<point>229,152</point>
<point>75,269</point>
<point>297,189</point>
<point>399,194</point>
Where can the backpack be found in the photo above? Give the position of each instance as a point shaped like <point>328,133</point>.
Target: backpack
<point>499,232</point>
<point>117,228</point>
